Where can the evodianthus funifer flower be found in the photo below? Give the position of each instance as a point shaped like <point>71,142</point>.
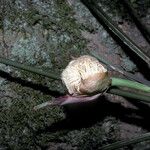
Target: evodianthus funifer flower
<point>85,76</point>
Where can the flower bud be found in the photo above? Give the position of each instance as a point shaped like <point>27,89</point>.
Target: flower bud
<point>85,76</point>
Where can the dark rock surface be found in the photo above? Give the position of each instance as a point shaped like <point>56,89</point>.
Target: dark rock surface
<point>47,34</point>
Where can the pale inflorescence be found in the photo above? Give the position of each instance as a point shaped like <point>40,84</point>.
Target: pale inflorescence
<point>84,75</point>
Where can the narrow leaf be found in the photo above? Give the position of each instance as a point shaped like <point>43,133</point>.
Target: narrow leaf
<point>126,74</point>
<point>101,15</point>
<point>28,68</point>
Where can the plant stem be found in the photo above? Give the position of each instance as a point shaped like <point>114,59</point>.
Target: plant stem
<point>128,94</point>
<point>115,81</point>
<point>130,84</point>
<point>123,143</point>
<point>114,67</point>
<point>29,68</point>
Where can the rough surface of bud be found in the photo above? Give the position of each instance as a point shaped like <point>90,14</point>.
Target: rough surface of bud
<point>85,76</point>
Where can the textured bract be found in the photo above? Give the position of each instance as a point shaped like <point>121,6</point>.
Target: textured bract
<point>84,76</point>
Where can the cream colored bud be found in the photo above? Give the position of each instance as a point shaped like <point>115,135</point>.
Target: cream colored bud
<point>85,76</point>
